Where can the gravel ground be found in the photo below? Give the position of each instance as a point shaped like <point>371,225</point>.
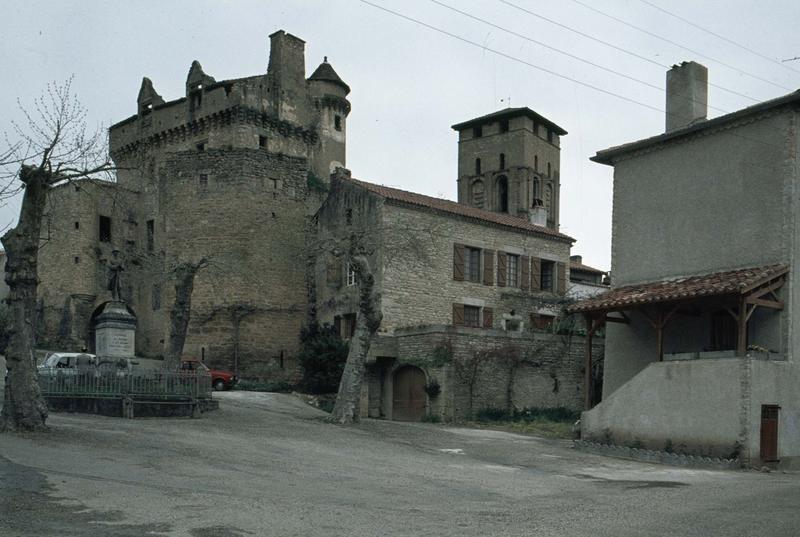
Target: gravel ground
<point>267,464</point>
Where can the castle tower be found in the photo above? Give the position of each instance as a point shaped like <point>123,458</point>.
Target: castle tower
<point>509,162</point>
<point>329,93</point>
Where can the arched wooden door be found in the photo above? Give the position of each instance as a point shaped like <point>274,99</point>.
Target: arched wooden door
<point>408,394</point>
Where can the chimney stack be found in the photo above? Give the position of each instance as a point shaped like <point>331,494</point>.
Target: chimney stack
<point>687,95</point>
<point>287,64</point>
<point>538,214</point>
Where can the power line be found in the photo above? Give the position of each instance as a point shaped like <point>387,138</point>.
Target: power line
<point>667,40</point>
<point>620,49</point>
<point>573,56</point>
<point>539,68</point>
<point>718,36</point>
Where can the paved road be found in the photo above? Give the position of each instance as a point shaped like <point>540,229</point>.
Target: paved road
<point>265,464</point>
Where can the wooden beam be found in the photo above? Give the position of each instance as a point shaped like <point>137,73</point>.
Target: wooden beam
<point>660,335</point>
<point>741,339</point>
<point>623,320</point>
<point>774,304</point>
<point>759,292</point>
<point>768,279</point>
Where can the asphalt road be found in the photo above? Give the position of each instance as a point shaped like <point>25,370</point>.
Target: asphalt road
<point>266,464</point>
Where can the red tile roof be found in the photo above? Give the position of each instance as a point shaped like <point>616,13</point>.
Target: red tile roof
<point>719,283</point>
<point>574,265</point>
<point>448,206</point>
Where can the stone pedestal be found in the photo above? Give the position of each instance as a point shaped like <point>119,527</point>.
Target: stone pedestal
<point>115,331</point>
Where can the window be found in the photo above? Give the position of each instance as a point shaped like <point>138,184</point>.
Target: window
<point>345,325</point>
<point>536,163</point>
<point>351,275</point>
<point>105,229</point>
<point>77,260</point>
<point>472,264</point>
<point>203,182</point>
<point>273,183</point>
<point>77,225</point>
<point>548,271</point>
<point>504,125</point>
<point>201,146</point>
<point>197,97</point>
<point>155,297</point>
<point>472,316</point>
<point>477,166</point>
<point>550,136</point>
<point>337,122</point>
<point>477,132</point>
<point>512,270</point>
<point>502,194</point>
<point>502,161</point>
<point>542,322</point>
<point>348,216</point>
<point>151,232</point>
<point>549,171</point>
<point>262,142</point>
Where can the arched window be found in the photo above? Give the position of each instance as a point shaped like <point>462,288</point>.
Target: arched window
<point>478,194</point>
<point>548,169</point>
<point>477,166</point>
<point>502,161</point>
<point>537,191</point>
<point>502,194</point>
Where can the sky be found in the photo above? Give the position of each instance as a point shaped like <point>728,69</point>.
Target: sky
<point>411,82</point>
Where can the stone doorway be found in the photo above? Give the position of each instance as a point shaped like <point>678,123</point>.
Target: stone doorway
<point>408,394</point>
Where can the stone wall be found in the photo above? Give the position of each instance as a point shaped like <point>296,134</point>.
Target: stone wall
<point>532,369</point>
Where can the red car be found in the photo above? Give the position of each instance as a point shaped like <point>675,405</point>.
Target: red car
<point>220,380</point>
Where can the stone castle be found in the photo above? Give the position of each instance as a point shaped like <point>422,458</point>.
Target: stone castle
<point>250,174</point>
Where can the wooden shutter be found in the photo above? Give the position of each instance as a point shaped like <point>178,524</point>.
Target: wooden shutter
<point>536,274</point>
<point>488,267</point>
<point>501,269</point>
<point>458,262</point>
<point>488,317</point>
<point>561,282</point>
<point>524,272</point>
<point>458,314</point>
<point>337,325</point>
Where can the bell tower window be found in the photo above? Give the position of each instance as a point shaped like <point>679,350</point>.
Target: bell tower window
<point>502,161</point>
<point>502,194</point>
<point>477,166</point>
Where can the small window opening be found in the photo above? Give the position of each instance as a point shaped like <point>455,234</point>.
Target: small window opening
<point>197,97</point>
<point>477,166</point>
<point>546,275</point>
<point>274,216</point>
<point>201,146</point>
<point>281,359</point>
<point>550,136</point>
<point>477,132</point>
<point>77,260</point>
<point>536,163</point>
<point>105,229</point>
<point>337,122</point>
<point>155,297</point>
<point>348,216</point>
<point>351,275</point>
<point>549,171</point>
<point>77,225</point>
<point>504,126</point>
<point>472,316</point>
<point>502,194</point>
<point>502,161</point>
<point>151,231</point>
<point>262,142</point>
<point>273,183</point>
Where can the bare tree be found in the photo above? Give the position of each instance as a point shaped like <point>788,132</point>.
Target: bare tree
<point>52,148</point>
<point>346,409</point>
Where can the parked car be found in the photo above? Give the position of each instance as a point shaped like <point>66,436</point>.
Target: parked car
<point>68,360</point>
<point>82,362</point>
<point>220,380</point>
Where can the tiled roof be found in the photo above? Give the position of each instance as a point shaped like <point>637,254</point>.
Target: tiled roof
<point>718,283</point>
<point>326,73</point>
<point>573,265</point>
<point>447,206</point>
<point>508,113</point>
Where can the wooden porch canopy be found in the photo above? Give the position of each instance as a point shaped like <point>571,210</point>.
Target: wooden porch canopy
<point>740,292</point>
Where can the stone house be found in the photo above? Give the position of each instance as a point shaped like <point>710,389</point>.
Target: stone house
<point>469,289</point>
<point>702,354</point>
<point>585,281</point>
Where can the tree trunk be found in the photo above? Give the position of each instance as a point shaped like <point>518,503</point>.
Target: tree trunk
<point>348,399</point>
<point>24,407</point>
<point>181,310</point>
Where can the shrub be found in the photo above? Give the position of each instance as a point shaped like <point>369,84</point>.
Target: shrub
<point>322,356</point>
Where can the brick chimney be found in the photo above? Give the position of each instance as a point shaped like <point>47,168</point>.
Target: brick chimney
<point>687,95</point>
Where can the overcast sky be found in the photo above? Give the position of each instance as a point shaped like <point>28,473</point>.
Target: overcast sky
<point>410,83</point>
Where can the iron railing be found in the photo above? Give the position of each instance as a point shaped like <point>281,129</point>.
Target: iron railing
<point>155,384</point>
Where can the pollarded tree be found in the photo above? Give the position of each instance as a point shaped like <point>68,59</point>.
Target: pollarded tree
<point>53,147</point>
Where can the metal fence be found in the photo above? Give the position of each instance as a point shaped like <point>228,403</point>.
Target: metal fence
<point>150,384</point>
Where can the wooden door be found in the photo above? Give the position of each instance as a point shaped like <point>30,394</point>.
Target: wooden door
<point>408,396</point>
<point>769,433</point>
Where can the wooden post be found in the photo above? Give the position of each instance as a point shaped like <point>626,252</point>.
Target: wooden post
<point>741,342</point>
<point>660,335</point>
<point>587,365</point>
